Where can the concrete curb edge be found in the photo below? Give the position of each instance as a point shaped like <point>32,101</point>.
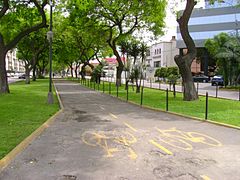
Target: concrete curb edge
<point>6,160</point>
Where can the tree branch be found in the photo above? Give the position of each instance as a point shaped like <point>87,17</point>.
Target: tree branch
<point>27,31</point>
<point>4,8</point>
<point>183,25</point>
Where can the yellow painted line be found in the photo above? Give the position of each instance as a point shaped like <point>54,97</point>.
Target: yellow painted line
<point>160,147</point>
<point>19,148</point>
<point>115,117</point>
<point>132,154</point>
<point>129,126</point>
<point>205,177</point>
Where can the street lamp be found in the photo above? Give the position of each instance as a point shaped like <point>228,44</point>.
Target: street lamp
<point>50,38</point>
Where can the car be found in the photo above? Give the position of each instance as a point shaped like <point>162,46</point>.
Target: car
<point>23,76</point>
<point>200,78</point>
<point>218,80</point>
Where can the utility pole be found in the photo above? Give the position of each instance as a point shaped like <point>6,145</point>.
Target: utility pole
<point>50,38</point>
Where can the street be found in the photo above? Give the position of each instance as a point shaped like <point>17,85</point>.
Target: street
<point>100,137</point>
<point>201,87</point>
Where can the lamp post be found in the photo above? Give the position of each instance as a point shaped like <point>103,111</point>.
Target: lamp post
<point>50,38</point>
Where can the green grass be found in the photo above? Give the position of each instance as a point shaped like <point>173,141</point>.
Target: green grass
<point>220,110</point>
<point>23,111</point>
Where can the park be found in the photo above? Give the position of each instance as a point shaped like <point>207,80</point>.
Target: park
<point>85,101</point>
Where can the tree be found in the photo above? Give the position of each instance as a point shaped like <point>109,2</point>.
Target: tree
<point>172,74</point>
<point>16,19</point>
<point>29,50</point>
<point>121,18</point>
<point>225,49</point>
<point>184,61</point>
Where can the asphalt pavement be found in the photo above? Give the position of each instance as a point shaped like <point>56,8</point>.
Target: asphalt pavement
<point>100,137</point>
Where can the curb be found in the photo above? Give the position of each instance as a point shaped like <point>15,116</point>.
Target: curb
<point>5,161</point>
<point>173,113</point>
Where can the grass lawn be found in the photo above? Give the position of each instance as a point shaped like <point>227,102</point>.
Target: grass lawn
<point>23,111</point>
<point>220,110</point>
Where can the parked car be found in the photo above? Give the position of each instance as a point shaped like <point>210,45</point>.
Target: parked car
<point>200,78</point>
<point>23,76</point>
<point>218,80</point>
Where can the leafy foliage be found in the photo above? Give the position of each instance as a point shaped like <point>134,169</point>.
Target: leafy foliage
<point>225,49</point>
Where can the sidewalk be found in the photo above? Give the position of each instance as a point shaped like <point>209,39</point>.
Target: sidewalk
<point>100,137</point>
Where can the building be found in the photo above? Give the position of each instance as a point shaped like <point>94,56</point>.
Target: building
<point>207,22</point>
<point>13,65</point>
<point>161,55</point>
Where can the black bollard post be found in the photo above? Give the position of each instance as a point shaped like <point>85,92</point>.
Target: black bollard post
<point>239,93</point>
<point>167,99</point>
<point>142,96</point>
<point>117,90</point>
<point>109,88</point>
<point>103,87</point>
<point>127,92</point>
<point>206,110</point>
<point>94,85</point>
<point>98,86</point>
<point>197,87</point>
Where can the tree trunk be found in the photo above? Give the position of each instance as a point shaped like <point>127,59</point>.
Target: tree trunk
<point>189,90</point>
<point>184,62</point>
<point>34,73</point>
<point>138,85</point>
<point>76,74</point>
<point>3,74</point>
<point>119,75</point>
<point>27,75</point>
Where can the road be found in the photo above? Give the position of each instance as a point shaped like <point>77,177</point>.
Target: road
<point>13,79</point>
<point>202,89</point>
<point>100,137</point>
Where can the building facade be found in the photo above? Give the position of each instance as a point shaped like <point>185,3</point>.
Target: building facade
<point>13,65</point>
<point>207,22</point>
<point>161,55</point>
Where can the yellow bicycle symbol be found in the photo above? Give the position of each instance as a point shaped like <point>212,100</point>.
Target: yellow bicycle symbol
<point>178,138</point>
<point>100,139</point>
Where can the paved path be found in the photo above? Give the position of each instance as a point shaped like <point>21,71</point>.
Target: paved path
<point>100,137</point>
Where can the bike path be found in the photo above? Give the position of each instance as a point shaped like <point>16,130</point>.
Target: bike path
<point>100,137</point>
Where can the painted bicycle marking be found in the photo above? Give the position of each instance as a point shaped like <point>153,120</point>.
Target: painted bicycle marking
<point>181,139</point>
<point>102,140</point>
<point>165,139</point>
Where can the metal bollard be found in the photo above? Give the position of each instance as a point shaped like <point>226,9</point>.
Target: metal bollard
<point>217,90</point>
<point>142,96</point>
<point>103,87</point>
<point>109,88</point>
<point>206,110</point>
<point>239,93</point>
<point>197,87</point>
<point>117,90</point>
<point>127,92</point>
<point>167,99</point>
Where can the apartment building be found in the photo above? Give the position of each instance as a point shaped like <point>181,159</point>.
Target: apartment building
<point>12,63</point>
<point>207,22</point>
<point>161,55</point>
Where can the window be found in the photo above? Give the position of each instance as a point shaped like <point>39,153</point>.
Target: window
<point>157,64</point>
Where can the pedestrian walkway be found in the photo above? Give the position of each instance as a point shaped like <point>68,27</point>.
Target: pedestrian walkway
<point>100,137</point>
